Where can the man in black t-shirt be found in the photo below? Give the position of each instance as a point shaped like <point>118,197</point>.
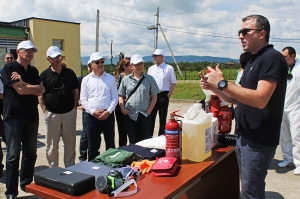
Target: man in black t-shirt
<point>22,85</point>
<point>260,101</point>
<point>7,58</point>
<point>59,103</point>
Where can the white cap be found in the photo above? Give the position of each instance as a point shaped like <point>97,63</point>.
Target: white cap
<point>96,56</point>
<point>26,45</point>
<point>135,59</point>
<point>89,62</point>
<point>158,52</point>
<point>53,51</point>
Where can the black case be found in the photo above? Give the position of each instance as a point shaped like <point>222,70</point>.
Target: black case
<point>64,180</point>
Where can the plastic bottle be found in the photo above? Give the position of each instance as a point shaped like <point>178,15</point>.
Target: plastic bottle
<point>196,134</point>
<point>207,93</point>
<point>214,130</point>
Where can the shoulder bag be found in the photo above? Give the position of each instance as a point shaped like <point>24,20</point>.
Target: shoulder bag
<point>139,83</point>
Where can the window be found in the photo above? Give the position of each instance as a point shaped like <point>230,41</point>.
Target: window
<point>58,43</point>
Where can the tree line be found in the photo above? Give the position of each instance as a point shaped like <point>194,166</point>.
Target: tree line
<point>189,70</point>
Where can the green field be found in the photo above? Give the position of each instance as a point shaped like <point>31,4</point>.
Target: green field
<point>190,91</point>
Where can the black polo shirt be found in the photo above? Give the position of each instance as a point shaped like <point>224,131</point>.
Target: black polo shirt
<point>17,106</point>
<point>263,125</point>
<point>59,97</point>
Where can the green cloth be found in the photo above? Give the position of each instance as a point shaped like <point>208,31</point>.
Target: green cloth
<point>117,158</point>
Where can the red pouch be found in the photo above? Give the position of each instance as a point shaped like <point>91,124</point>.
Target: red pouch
<point>165,166</point>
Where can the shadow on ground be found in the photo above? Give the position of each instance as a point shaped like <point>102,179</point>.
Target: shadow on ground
<point>280,170</point>
<point>273,195</point>
<point>40,168</point>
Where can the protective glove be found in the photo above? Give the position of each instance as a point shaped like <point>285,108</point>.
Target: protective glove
<point>144,165</point>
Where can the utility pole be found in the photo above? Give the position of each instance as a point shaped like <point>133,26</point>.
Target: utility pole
<point>111,57</point>
<point>157,23</point>
<point>152,27</point>
<point>97,30</point>
<point>170,49</point>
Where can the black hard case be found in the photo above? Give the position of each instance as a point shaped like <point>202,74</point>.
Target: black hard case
<point>64,180</point>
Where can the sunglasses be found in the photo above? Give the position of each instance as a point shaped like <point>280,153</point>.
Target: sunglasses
<point>244,31</point>
<point>290,75</point>
<point>128,64</point>
<point>9,58</point>
<point>98,62</point>
<point>30,50</point>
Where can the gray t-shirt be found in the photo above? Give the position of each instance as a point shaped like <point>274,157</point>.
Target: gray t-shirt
<point>140,99</point>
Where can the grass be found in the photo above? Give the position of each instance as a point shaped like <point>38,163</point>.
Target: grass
<point>188,91</point>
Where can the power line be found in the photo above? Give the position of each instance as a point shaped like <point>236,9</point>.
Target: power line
<point>194,32</point>
<point>128,18</point>
<point>103,34</point>
<point>233,37</point>
<point>203,34</point>
<point>123,21</point>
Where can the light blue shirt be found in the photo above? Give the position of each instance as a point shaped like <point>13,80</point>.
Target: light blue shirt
<point>140,100</point>
<point>238,77</point>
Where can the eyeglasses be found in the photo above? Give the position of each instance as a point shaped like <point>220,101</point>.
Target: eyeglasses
<point>9,58</point>
<point>139,64</point>
<point>57,57</point>
<point>244,31</point>
<point>30,50</point>
<point>98,62</point>
<point>56,85</point>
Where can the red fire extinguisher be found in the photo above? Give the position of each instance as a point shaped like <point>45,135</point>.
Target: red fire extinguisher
<point>225,118</point>
<point>173,137</point>
<point>215,104</point>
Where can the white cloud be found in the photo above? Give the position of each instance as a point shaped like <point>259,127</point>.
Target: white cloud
<point>125,22</point>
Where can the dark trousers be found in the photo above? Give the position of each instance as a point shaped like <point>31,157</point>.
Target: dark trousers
<point>83,145</point>
<point>161,106</point>
<point>94,129</point>
<point>121,128</point>
<point>1,152</point>
<point>138,130</point>
<point>20,132</point>
<point>254,160</point>
<point>1,159</point>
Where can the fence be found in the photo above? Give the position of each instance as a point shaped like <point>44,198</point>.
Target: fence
<point>187,73</point>
<point>229,74</point>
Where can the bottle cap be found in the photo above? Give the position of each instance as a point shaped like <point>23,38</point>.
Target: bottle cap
<point>211,114</point>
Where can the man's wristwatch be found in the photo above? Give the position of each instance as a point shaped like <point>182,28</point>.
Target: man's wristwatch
<point>222,84</point>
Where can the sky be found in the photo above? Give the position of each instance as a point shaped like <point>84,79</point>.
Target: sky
<point>194,27</point>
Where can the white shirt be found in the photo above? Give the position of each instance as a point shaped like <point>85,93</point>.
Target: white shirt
<point>164,76</point>
<point>98,93</point>
<point>291,103</point>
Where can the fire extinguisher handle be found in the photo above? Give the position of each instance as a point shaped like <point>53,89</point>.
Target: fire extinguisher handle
<point>174,114</point>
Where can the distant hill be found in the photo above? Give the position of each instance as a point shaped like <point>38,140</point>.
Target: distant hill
<point>187,58</point>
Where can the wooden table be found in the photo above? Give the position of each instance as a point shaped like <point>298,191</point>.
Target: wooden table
<point>216,177</point>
